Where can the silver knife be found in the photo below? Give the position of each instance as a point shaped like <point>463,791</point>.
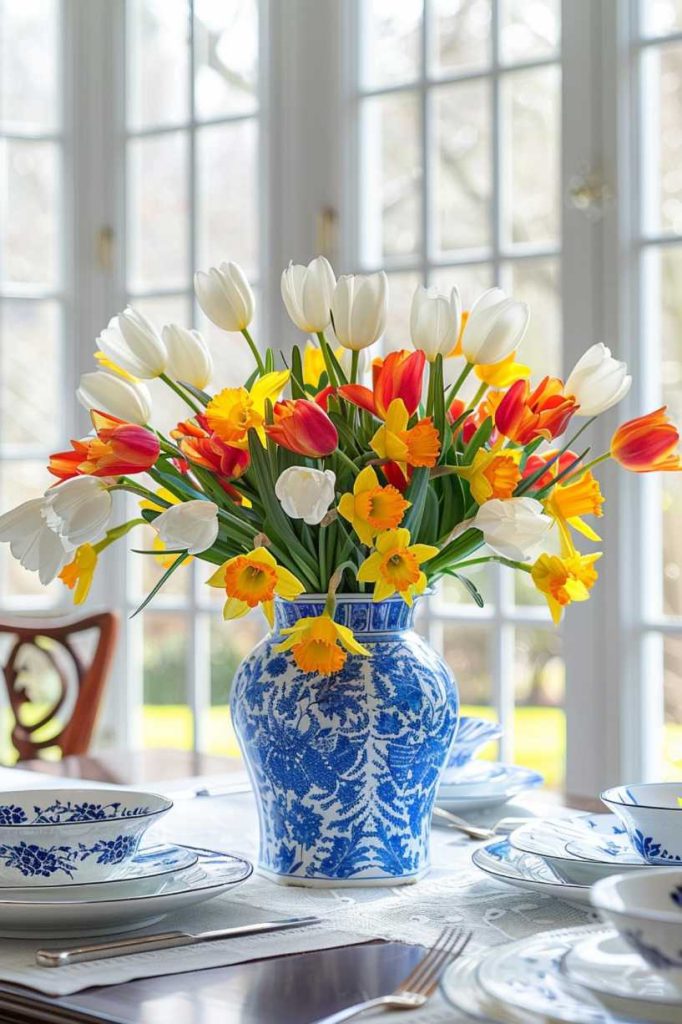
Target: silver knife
<point>161,940</point>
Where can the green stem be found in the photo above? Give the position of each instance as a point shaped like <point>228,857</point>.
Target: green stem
<point>322,550</point>
<point>117,532</point>
<point>430,392</point>
<point>480,393</point>
<point>494,558</point>
<point>589,465</point>
<point>329,366</point>
<point>179,391</point>
<point>254,350</point>
<point>348,462</point>
<point>126,484</point>
<point>354,361</point>
<point>457,385</point>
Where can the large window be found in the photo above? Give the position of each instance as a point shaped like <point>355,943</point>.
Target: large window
<point>458,182</point>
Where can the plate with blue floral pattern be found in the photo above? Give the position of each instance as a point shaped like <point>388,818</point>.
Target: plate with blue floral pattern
<point>97,909</point>
<point>501,861</point>
<point>481,784</point>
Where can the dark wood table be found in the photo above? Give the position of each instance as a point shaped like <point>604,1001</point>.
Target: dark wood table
<point>294,989</point>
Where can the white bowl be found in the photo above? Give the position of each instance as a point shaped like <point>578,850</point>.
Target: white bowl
<point>645,907</point>
<point>653,818</point>
<point>60,836</point>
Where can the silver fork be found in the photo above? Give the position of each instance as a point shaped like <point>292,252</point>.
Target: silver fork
<point>419,985</point>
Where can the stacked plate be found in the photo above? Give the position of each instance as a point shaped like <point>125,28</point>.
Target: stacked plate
<point>578,975</point>
<point>469,785</point>
<point>72,862</point>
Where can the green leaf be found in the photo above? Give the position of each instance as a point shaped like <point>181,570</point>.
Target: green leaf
<point>269,360</point>
<point>467,584</point>
<point>428,530</point>
<point>297,385</point>
<point>178,485</point>
<point>481,437</point>
<point>200,395</point>
<point>573,468</point>
<point>154,591</point>
<point>416,493</point>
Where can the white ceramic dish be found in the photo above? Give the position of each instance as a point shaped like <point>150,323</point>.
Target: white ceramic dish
<point>483,784</point>
<point>525,871</point>
<point>29,916</point>
<point>581,848</point>
<point>472,734</point>
<point>645,908</point>
<point>652,815</point>
<point>57,836</point>
<point>521,982</point>
<point>604,964</point>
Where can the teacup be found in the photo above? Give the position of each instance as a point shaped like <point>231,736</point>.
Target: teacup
<point>472,734</point>
<point>652,816</point>
<point>645,907</point>
<point>56,837</point>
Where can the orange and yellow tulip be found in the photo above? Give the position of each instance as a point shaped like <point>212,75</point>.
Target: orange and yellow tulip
<point>646,444</point>
<point>523,415</point>
<point>119,449</point>
<point>399,375</point>
<point>303,427</point>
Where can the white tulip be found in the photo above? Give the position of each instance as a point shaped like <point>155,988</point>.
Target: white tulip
<point>494,328</point>
<point>110,393</point>
<point>514,527</point>
<point>435,321</point>
<point>191,526</point>
<point>189,359</point>
<point>306,493</point>
<point>32,542</point>
<point>359,309</point>
<point>307,294</point>
<point>131,342</point>
<point>78,510</point>
<point>225,296</point>
<point>597,381</point>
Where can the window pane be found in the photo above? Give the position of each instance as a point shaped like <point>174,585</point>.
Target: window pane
<point>531,128</point>
<point>461,35</point>
<point>158,62</point>
<point>19,482</point>
<point>29,220</point>
<point>672,689</point>
<point>391,175</point>
<point>29,64</point>
<point>30,407</point>
<point>661,16</point>
<point>157,212</point>
<point>462,166</point>
<point>391,36</point>
<point>663,144</point>
<point>470,281</point>
<point>227,211</point>
<point>529,29</point>
<point>537,283</point>
<point>230,643</point>
<point>466,648</point>
<point>401,288</point>
<point>226,57</point>
<point>667,266</point>
<point>164,309</point>
<point>167,720</point>
<point>539,721</point>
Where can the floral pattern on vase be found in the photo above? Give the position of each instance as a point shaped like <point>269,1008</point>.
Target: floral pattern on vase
<point>345,768</point>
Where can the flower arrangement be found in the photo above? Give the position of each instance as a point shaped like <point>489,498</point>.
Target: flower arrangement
<point>384,484</point>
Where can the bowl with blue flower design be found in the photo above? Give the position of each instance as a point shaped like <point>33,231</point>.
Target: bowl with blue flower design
<point>58,837</point>
<point>652,815</point>
<point>645,907</point>
<point>472,734</point>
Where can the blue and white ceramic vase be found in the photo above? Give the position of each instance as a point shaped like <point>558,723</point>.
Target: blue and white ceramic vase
<point>345,767</point>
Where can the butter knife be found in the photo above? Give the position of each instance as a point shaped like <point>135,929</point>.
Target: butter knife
<point>161,940</point>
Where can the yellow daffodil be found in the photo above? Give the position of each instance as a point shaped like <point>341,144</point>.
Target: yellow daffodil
<point>313,364</point>
<point>79,573</point>
<point>418,446</point>
<point>318,644</point>
<point>395,566</point>
<point>371,508</point>
<point>234,411</point>
<point>253,579</point>
<point>502,374</point>
<point>568,502</point>
<point>564,578</point>
<point>492,474</point>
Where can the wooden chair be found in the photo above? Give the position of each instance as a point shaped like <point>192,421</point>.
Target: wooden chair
<point>80,680</point>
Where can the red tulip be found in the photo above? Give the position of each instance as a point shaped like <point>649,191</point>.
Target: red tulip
<point>646,444</point>
<point>399,375</point>
<point>119,449</point>
<point>523,415</point>
<point>303,427</point>
<point>536,462</point>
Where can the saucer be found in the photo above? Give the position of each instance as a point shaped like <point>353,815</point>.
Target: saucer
<point>149,863</point>
<point>582,848</point>
<point>501,861</point>
<point>604,964</point>
<point>481,784</point>
<point>30,914</point>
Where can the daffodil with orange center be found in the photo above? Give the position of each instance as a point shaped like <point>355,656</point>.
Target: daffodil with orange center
<point>371,508</point>
<point>318,644</point>
<point>568,503</point>
<point>418,446</point>
<point>395,566</point>
<point>564,578</point>
<point>234,411</point>
<point>492,474</point>
<point>502,374</point>
<point>254,579</point>
<point>79,573</point>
